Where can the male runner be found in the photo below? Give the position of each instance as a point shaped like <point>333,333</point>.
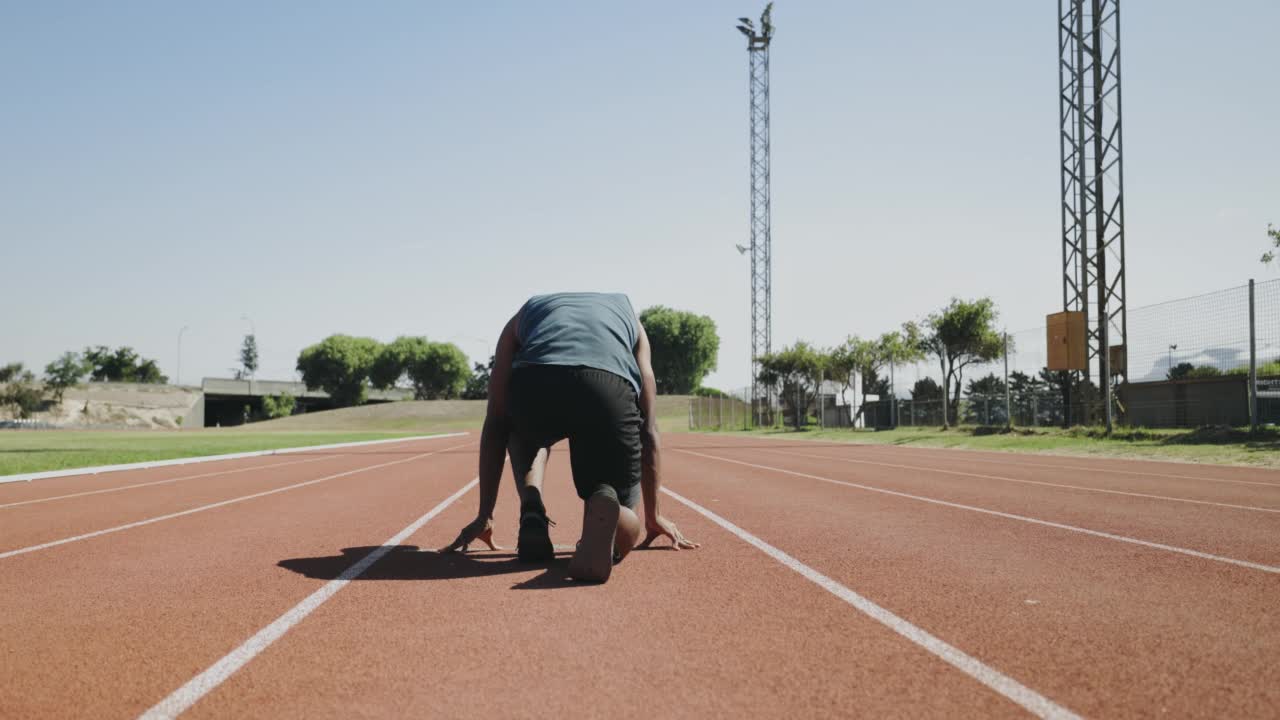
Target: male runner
<point>576,366</point>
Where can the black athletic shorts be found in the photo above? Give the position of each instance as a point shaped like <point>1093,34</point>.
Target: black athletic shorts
<point>596,410</point>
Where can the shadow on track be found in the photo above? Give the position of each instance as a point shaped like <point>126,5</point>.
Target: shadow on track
<point>408,562</point>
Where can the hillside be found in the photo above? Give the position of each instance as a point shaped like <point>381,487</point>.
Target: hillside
<point>111,405</point>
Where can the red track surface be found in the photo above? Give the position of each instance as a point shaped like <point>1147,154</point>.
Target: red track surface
<point>1092,585</point>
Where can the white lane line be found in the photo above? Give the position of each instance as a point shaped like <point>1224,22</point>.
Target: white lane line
<point>997,459</point>
<point>1011,516</point>
<point>993,460</point>
<point>173,480</point>
<point>162,482</point>
<point>1022,480</point>
<point>180,700</point>
<point>1029,699</point>
<point>71,472</point>
<point>211,506</point>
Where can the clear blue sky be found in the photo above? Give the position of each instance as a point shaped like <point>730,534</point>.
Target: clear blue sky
<point>420,168</point>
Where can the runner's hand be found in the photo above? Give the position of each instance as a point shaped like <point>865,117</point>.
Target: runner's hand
<point>479,529</point>
<point>660,527</point>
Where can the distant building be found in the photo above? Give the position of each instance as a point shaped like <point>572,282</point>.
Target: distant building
<point>224,400</point>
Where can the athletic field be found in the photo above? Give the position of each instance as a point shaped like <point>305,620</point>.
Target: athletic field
<point>834,580</point>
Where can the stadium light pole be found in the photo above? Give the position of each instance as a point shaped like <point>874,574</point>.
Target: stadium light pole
<point>1092,180</point>
<point>749,392</point>
<point>178,374</point>
<point>758,41</point>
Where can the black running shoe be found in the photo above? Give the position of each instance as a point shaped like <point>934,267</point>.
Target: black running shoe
<point>534,545</point>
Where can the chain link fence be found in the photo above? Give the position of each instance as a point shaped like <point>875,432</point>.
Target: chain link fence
<point>730,410</point>
<point>1211,359</point>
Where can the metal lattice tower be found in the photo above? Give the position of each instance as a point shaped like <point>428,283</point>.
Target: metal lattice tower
<point>1093,273</point>
<point>758,41</point>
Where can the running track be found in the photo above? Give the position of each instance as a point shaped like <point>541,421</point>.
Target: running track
<point>834,580</point>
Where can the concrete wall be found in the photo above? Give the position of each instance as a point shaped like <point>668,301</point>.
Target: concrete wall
<point>261,388</point>
<point>224,399</point>
<point>1187,403</point>
<point>195,417</point>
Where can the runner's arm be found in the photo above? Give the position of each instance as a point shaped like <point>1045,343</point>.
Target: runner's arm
<point>493,438</point>
<point>655,525</point>
<point>651,446</point>
<point>493,444</point>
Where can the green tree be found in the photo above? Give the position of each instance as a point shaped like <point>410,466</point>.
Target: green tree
<point>1187,371</point>
<point>842,363</point>
<point>10,372</point>
<point>434,370</point>
<point>478,384</point>
<point>149,372</point>
<point>959,335</point>
<point>24,396</point>
<point>340,366</point>
<point>684,348</point>
<point>925,394</point>
<point>441,374</point>
<point>390,367</point>
<point>107,366</point>
<point>986,401</point>
<point>121,365</point>
<point>1274,235</point>
<point>873,384</point>
<point>901,347</point>
<point>926,388</point>
<point>797,369</point>
<point>1068,396</point>
<point>63,373</point>
<point>278,406</point>
<point>249,356</point>
<point>21,392</point>
<point>1025,393</point>
<point>864,355</point>
<point>871,357</point>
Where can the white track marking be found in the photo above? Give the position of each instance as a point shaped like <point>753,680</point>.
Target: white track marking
<point>184,477</point>
<point>197,687</point>
<point>162,482</point>
<point>994,459</point>
<point>27,477</point>
<point>211,506</point>
<point>1029,699</point>
<point>1011,516</point>
<point>998,459</point>
<point>1021,480</point>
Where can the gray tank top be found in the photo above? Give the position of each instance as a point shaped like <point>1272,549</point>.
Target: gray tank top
<point>595,330</point>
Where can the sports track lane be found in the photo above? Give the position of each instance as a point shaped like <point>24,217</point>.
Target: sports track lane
<point>721,631</point>
<point>1256,494</point>
<point>1103,465</point>
<point>36,523</point>
<point>1235,485</point>
<point>1105,628</point>
<point>1244,532</point>
<point>47,489</point>
<point>106,626</point>
<point>17,494</point>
